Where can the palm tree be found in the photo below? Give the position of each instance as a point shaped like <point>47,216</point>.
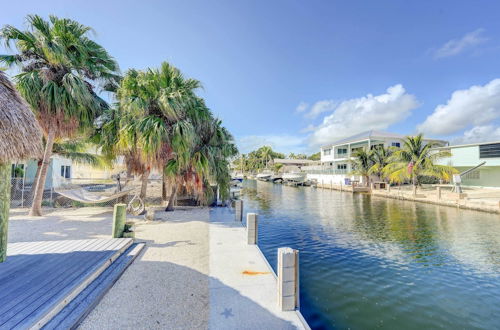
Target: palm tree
<point>154,105</point>
<point>206,161</point>
<point>266,153</point>
<point>362,163</point>
<point>60,66</point>
<point>416,159</point>
<point>380,157</point>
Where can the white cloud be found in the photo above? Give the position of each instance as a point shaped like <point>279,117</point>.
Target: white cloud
<point>281,143</point>
<point>303,106</point>
<point>478,134</point>
<point>476,106</point>
<point>365,113</point>
<point>457,46</point>
<point>320,107</point>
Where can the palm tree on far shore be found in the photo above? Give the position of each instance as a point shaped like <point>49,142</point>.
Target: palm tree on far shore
<point>380,157</point>
<point>362,163</point>
<point>415,159</point>
<point>60,65</point>
<point>267,155</point>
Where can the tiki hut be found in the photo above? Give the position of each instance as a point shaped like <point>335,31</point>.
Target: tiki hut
<point>20,138</point>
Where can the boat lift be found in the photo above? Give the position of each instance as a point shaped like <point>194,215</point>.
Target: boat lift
<point>457,178</point>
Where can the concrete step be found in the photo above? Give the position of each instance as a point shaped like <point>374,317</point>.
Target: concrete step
<point>76,311</point>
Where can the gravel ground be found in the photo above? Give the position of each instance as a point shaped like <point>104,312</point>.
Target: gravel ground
<point>167,285</point>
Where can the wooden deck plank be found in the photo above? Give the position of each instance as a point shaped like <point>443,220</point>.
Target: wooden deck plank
<point>22,275</point>
<point>45,276</point>
<point>9,263</point>
<point>33,290</point>
<point>25,273</point>
<point>76,311</point>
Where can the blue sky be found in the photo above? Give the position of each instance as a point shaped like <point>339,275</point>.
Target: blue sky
<point>299,74</point>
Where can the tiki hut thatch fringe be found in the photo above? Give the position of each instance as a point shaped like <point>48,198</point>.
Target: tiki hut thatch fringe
<point>20,138</point>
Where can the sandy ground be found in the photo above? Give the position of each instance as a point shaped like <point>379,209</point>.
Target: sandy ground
<point>167,285</point>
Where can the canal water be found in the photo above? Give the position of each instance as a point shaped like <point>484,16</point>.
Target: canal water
<point>368,262</point>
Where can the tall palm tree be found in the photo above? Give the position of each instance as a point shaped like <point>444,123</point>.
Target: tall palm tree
<point>380,158</point>
<point>154,105</point>
<point>60,65</point>
<point>361,164</point>
<point>266,153</point>
<point>415,159</point>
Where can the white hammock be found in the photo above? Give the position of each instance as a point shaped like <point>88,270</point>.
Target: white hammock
<point>86,197</point>
<point>65,188</point>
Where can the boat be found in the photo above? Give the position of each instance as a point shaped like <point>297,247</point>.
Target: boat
<point>295,177</point>
<point>264,176</point>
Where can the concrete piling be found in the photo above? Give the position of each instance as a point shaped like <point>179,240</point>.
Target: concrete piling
<point>288,279</point>
<point>119,217</point>
<point>438,193</point>
<point>252,228</point>
<point>238,208</point>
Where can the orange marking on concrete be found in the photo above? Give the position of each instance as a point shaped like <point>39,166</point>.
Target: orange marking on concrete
<point>250,272</point>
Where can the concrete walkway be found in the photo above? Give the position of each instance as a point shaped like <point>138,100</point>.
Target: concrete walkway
<point>243,288</point>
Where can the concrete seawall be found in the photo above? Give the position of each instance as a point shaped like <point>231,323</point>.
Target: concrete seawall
<point>426,196</point>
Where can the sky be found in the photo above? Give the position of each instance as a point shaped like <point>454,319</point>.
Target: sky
<point>296,74</point>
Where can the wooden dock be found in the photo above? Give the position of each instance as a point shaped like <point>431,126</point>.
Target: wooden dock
<point>40,280</point>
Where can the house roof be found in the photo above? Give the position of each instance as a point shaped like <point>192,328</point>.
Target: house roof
<point>367,135</point>
<point>468,145</point>
<point>373,134</point>
<point>293,161</point>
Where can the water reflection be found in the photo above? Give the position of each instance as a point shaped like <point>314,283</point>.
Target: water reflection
<point>373,262</point>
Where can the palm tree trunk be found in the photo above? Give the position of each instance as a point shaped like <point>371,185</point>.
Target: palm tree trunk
<point>171,200</point>
<point>144,184</point>
<point>35,180</point>
<point>4,208</point>
<point>36,207</point>
<point>164,190</point>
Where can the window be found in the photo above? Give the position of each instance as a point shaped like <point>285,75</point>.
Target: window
<point>341,166</point>
<point>341,151</point>
<point>17,170</point>
<point>327,152</point>
<point>491,150</point>
<point>66,171</point>
<point>396,144</point>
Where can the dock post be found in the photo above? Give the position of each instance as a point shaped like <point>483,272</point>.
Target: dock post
<point>238,208</point>
<point>288,279</point>
<point>388,187</point>
<point>331,184</point>
<point>252,228</point>
<point>439,193</point>
<point>119,215</point>
<point>5,183</point>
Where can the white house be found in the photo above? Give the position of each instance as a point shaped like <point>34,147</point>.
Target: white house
<point>336,157</point>
<point>467,156</point>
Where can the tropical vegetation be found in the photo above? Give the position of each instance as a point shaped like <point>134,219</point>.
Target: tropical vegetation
<point>157,121</point>
<point>61,68</point>
<point>416,160</point>
<point>413,162</point>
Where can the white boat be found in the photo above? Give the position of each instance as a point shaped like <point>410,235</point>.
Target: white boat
<point>264,176</point>
<point>295,177</point>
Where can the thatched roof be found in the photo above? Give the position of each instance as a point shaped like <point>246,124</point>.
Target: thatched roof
<point>20,134</point>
